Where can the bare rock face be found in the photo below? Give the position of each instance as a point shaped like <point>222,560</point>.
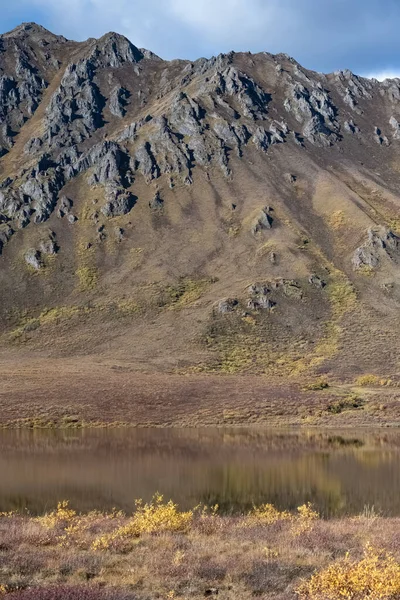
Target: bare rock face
<point>118,101</point>
<point>316,111</point>
<point>75,109</point>
<point>393,122</point>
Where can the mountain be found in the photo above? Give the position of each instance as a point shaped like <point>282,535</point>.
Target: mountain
<point>238,214</point>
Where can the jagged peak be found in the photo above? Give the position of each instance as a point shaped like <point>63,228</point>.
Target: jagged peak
<point>118,47</point>
<point>31,29</point>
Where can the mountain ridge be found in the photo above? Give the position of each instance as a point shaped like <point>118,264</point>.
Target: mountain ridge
<point>238,214</point>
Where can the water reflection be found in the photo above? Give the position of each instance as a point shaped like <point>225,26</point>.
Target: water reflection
<point>340,473</point>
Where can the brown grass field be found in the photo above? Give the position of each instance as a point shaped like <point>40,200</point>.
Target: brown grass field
<point>85,392</point>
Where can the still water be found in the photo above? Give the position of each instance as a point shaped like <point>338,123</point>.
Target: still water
<point>340,472</point>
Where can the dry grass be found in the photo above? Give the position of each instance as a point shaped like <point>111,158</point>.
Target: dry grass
<point>337,220</point>
<point>170,554</point>
<point>113,394</point>
<point>88,278</point>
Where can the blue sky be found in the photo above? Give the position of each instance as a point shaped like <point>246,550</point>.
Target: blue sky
<point>325,35</point>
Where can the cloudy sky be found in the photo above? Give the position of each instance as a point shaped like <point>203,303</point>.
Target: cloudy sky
<point>325,35</point>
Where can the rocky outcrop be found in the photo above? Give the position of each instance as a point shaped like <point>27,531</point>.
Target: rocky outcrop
<point>381,243</point>
<point>351,127</point>
<point>75,109</point>
<point>65,207</point>
<point>260,297</point>
<point>228,305</point>
<point>316,281</point>
<point>263,221</point>
<point>33,259</point>
<point>316,111</point>
<point>380,138</point>
<point>119,202</point>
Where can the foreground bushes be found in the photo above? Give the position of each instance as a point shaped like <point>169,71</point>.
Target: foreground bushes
<point>161,552</point>
<point>375,577</point>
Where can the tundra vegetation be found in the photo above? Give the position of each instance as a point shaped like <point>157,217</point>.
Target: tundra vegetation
<point>165,553</point>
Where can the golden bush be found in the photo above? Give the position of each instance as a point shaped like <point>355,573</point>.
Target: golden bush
<point>266,514</point>
<point>156,516</point>
<point>371,380</point>
<point>304,520</point>
<point>61,515</point>
<point>375,577</point>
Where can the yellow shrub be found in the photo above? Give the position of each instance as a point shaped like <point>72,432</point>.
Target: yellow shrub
<point>266,514</point>
<point>374,577</point>
<point>306,515</point>
<point>154,517</point>
<point>306,512</point>
<point>62,514</point>
<point>319,384</point>
<point>369,379</point>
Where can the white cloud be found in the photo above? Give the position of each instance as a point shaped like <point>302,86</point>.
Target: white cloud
<point>385,74</point>
<point>220,16</point>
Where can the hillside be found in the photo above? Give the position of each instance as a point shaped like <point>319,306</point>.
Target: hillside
<point>235,215</point>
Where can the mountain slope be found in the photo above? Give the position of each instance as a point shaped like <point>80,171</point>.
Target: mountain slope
<point>238,214</point>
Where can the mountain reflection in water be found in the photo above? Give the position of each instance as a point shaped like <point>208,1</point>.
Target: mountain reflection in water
<point>340,473</point>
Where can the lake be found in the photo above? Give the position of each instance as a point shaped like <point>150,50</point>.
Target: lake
<point>340,472</point>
